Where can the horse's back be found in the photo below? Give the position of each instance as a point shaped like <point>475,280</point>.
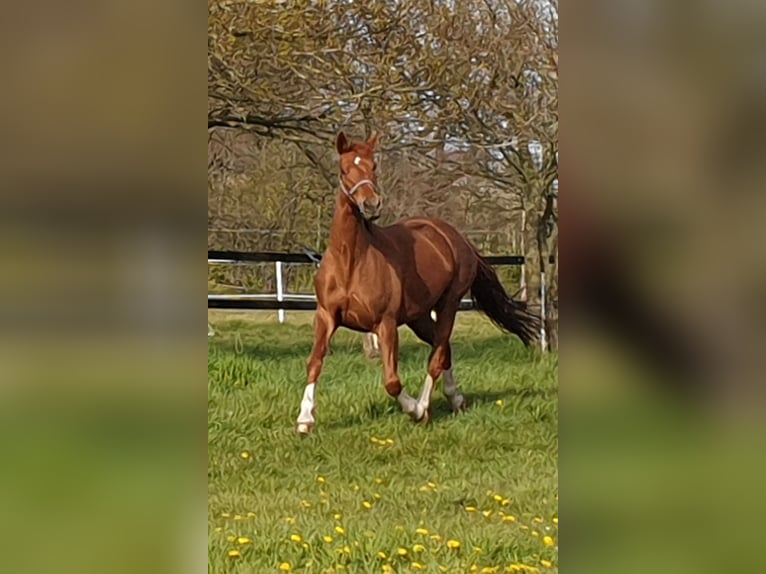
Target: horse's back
<point>441,235</point>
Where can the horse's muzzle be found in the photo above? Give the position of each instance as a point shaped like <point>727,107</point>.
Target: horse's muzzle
<point>371,209</point>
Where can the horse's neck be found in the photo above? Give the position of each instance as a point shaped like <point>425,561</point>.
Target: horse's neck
<point>348,237</point>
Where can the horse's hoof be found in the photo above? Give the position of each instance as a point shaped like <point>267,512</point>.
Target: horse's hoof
<point>425,418</point>
<point>304,429</point>
<point>461,407</point>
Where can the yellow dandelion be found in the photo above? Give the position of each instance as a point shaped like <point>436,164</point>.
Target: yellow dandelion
<point>327,538</point>
<point>219,528</point>
<point>547,540</point>
<point>497,497</point>
<point>356,544</point>
<point>387,569</point>
<point>244,540</point>
<point>346,550</point>
<point>337,516</point>
<point>478,549</point>
<point>340,530</point>
<point>431,484</point>
<point>321,479</point>
<point>290,520</point>
<point>417,566</point>
<point>423,488</point>
<point>535,533</point>
<point>382,555</point>
<point>285,566</point>
<point>470,509</point>
<point>436,538</point>
<point>421,531</point>
<point>546,563</point>
<point>375,440</point>
<point>443,568</point>
<point>474,568</point>
<point>305,504</point>
<point>555,520</point>
<point>389,441</point>
<point>367,504</point>
<point>418,548</point>
<point>505,502</point>
<point>515,568</point>
<point>251,514</point>
<point>245,455</point>
<point>537,519</point>
<point>487,513</point>
<point>401,551</point>
<point>524,527</point>
<point>490,569</point>
<point>296,538</point>
<point>238,517</point>
<point>231,538</point>
<point>378,480</point>
<point>355,487</point>
<point>225,515</point>
<point>509,518</point>
<point>376,496</point>
<point>234,554</point>
<point>453,544</point>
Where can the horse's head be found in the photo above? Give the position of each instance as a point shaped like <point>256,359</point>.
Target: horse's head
<point>357,174</point>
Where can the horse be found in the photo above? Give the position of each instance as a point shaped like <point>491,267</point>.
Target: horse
<point>375,279</point>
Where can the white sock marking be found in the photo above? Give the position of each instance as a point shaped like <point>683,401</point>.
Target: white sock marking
<point>410,406</point>
<point>451,390</point>
<point>425,396</point>
<point>306,417</point>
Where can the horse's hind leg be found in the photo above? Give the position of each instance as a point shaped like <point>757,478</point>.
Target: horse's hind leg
<point>437,334</point>
<point>441,358</point>
<point>425,330</point>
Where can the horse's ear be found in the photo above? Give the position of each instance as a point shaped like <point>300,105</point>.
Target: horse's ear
<point>372,141</point>
<point>341,143</point>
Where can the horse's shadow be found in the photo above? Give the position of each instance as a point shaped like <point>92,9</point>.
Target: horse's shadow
<point>440,406</point>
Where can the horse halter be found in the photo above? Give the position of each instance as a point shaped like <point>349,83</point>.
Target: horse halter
<point>356,186</point>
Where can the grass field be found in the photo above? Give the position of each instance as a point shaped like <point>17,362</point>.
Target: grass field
<point>370,491</point>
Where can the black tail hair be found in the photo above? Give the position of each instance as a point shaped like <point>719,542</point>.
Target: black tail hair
<point>490,298</point>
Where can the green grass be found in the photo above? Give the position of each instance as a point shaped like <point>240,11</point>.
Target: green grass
<point>430,477</point>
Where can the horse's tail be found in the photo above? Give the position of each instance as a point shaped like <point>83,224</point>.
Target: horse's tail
<point>490,298</point>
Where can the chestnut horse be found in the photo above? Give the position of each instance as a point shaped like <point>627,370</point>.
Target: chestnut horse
<point>373,279</point>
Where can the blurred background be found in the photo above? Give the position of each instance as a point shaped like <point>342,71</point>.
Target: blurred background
<point>662,391</point>
<point>102,379</point>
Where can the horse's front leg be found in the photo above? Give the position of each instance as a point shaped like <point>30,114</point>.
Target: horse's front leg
<point>324,327</point>
<point>388,337</point>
